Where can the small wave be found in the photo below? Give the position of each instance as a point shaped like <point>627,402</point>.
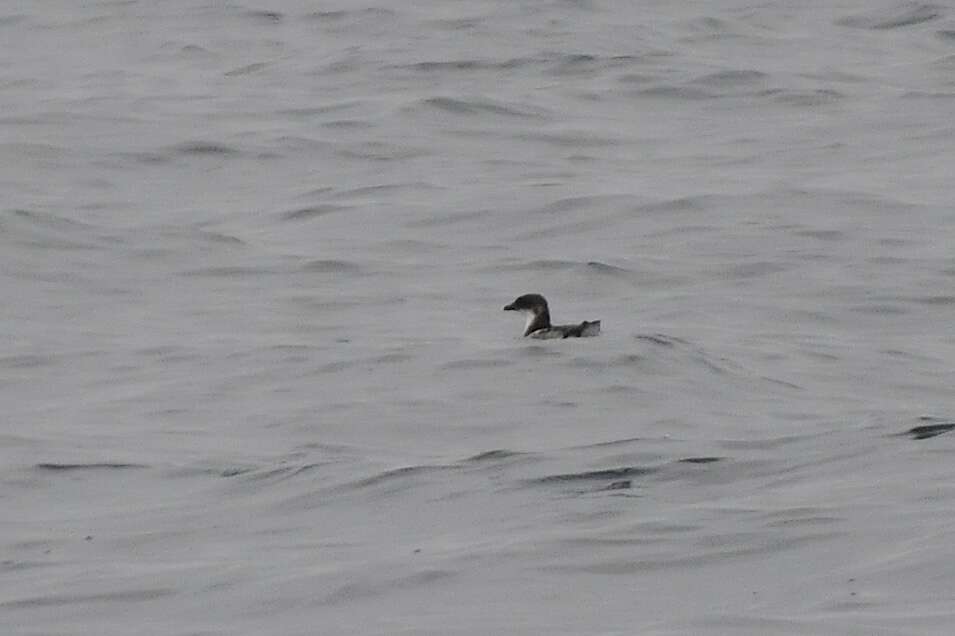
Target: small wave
<point>680,204</point>
<point>340,15</point>
<point>574,139</point>
<point>445,66</point>
<point>282,473</point>
<point>586,63</point>
<point>493,455</point>
<point>330,266</point>
<point>205,149</point>
<point>25,361</point>
<point>699,460</point>
<point>477,364</point>
<point>476,106</point>
<point>57,600</point>
<point>662,340</point>
<point>822,235</point>
<point>597,475</point>
<point>805,98</point>
<point>382,151</point>
<point>248,69</point>
<point>555,265</point>
<point>312,211</point>
<point>668,91</point>
<point>230,271</point>
<point>273,17</point>
<point>942,300</point>
<point>743,271</point>
<point>933,428</point>
<point>377,587</point>
<point>451,219</point>
<point>908,14</point>
<point>63,467</point>
<point>395,474</point>
<point>734,77</point>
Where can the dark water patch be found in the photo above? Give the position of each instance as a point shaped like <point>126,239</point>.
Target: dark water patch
<point>597,475</point>
<point>205,149</point>
<point>908,14</point>
<point>312,211</point>
<point>699,460</point>
<point>63,467</point>
<point>479,106</point>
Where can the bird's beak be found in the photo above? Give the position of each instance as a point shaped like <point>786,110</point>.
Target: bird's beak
<point>509,307</point>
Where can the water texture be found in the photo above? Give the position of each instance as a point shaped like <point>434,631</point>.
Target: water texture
<point>257,380</point>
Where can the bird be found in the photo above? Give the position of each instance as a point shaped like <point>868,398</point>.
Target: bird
<point>534,306</point>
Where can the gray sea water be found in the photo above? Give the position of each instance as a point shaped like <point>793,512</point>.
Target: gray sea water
<point>255,374</point>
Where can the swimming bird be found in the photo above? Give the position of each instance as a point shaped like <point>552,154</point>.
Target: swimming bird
<point>534,306</point>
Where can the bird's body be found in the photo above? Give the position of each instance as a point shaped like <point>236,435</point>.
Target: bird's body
<point>538,320</point>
